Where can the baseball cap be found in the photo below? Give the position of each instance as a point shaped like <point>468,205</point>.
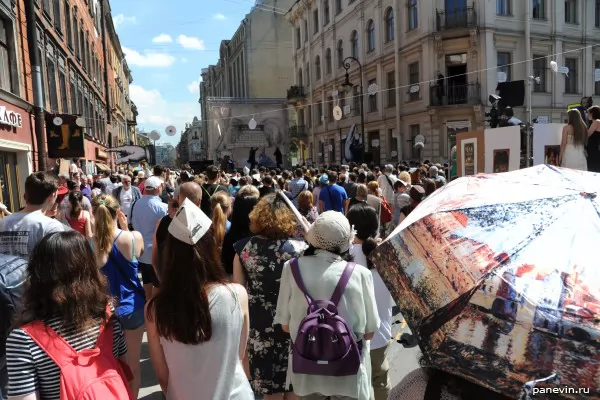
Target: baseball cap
<point>153,182</point>
<point>190,223</point>
<point>324,179</point>
<point>433,169</point>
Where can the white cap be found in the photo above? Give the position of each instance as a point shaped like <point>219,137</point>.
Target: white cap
<point>190,223</point>
<point>153,182</point>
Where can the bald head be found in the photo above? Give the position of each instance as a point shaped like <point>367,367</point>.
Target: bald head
<point>191,191</point>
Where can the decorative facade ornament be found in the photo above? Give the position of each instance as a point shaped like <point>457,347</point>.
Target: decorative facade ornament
<point>439,42</point>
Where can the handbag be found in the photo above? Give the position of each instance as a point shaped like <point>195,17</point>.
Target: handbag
<point>386,211</point>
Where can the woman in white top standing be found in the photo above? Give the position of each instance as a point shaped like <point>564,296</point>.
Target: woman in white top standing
<point>364,220</point>
<point>574,140</point>
<point>198,323</point>
<point>321,267</point>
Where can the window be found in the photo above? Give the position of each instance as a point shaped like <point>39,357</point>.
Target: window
<point>47,8</point>
<point>597,14</point>
<point>300,78</point>
<point>76,36</point>
<point>414,131</point>
<point>305,31</point>
<point>309,117</point>
<point>329,115</point>
<point>413,15</point>
<point>328,61</point>
<point>74,108</point>
<point>539,9</point>
<point>504,64</point>
<point>597,84</point>
<point>51,74</point>
<point>354,44</point>
<point>62,84</point>
<point>298,38</point>
<point>331,149</point>
<point>315,21</point>
<point>338,6</point>
<point>389,25</point>
<point>370,36</point>
<point>340,54</point>
<point>57,20</point>
<point>356,97</point>
<point>69,30</point>
<point>326,17</point>
<point>571,78</point>
<point>503,7</point>
<point>393,145</point>
<point>81,44</point>
<point>318,68</point>
<point>391,92</point>
<point>539,70</point>
<point>413,79</point>
<point>372,97</point>
<point>571,11</point>
<point>307,74</point>
<point>6,56</point>
<point>320,113</point>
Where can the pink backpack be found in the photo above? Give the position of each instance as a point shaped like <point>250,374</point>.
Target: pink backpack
<point>88,375</point>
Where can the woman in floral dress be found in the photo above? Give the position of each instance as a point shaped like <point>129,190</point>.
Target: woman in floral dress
<point>258,265</point>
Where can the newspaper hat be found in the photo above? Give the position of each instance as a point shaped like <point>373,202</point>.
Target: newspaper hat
<point>190,223</point>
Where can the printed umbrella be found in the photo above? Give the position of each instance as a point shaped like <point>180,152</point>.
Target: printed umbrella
<point>499,278</point>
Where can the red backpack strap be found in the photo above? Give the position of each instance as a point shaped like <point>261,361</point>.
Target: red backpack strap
<point>105,334</point>
<point>50,342</point>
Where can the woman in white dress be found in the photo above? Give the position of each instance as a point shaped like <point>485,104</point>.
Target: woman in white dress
<point>574,140</point>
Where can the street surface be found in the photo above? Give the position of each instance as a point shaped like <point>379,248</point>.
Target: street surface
<point>402,361</point>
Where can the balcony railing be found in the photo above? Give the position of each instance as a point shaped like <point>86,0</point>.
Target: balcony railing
<point>295,93</point>
<point>457,18</point>
<point>298,132</point>
<point>451,95</point>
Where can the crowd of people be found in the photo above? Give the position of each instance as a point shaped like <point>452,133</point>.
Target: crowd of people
<point>219,270</point>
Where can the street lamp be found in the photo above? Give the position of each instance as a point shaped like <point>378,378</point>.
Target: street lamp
<point>347,83</point>
<point>532,81</point>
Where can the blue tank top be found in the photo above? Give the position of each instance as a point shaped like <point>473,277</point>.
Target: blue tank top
<point>123,280</point>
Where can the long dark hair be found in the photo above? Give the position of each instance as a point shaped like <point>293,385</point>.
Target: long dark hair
<point>181,309</point>
<point>64,281</point>
<point>75,198</point>
<point>240,227</point>
<point>366,223</point>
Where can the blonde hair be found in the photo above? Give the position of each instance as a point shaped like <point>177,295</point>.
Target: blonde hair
<point>221,204</point>
<point>404,176</point>
<point>272,218</point>
<point>248,190</point>
<point>373,186</point>
<point>305,201</point>
<point>223,199</point>
<point>105,209</point>
<point>362,191</point>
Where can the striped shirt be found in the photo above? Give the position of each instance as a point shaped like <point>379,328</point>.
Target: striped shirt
<point>31,370</point>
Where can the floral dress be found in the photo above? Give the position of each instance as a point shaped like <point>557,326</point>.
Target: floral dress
<point>268,346</point>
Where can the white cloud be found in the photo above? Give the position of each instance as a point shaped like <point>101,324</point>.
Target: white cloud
<point>219,17</point>
<point>157,113</point>
<point>190,42</point>
<point>194,87</point>
<point>162,38</point>
<point>148,58</point>
<point>121,19</point>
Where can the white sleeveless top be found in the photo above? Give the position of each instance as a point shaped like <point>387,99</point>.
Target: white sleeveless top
<point>211,370</point>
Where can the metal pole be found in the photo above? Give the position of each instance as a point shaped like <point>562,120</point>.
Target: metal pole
<point>529,125</point>
<point>346,66</point>
<point>38,92</point>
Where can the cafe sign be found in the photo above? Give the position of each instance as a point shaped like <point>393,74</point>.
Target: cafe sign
<point>101,154</point>
<point>10,118</point>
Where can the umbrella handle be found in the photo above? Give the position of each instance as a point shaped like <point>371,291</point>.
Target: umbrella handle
<point>527,392</point>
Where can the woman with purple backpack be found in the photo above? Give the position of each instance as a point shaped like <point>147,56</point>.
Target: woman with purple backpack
<point>330,342</point>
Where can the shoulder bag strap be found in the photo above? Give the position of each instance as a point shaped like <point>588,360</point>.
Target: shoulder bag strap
<point>123,274</point>
<point>298,279</point>
<point>50,342</point>
<point>341,285</point>
<point>131,211</point>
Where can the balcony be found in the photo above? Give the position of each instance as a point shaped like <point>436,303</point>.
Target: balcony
<point>295,93</point>
<point>457,18</point>
<point>454,95</point>
<point>298,132</point>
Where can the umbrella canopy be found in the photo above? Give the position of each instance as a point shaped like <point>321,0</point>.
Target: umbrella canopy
<point>499,277</point>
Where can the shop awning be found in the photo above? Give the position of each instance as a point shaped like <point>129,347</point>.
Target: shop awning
<point>102,167</point>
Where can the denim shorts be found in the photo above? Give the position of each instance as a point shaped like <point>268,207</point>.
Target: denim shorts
<point>133,321</point>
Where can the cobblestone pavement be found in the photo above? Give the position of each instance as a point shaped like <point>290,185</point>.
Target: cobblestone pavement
<point>402,361</point>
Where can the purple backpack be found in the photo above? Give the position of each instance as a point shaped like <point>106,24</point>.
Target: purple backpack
<point>325,344</point>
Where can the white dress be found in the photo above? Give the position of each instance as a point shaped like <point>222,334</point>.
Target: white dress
<point>574,155</point>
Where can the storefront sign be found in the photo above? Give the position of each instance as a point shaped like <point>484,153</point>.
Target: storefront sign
<point>101,154</point>
<point>10,118</point>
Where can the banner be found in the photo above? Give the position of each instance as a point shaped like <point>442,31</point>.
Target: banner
<point>64,140</point>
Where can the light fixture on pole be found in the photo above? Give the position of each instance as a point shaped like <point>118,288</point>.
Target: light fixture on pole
<point>529,128</point>
<point>347,84</point>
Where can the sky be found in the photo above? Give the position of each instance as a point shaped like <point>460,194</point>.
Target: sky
<point>167,44</point>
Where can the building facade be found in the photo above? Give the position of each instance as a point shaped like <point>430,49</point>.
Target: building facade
<point>191,146</point>
<point>428,68</point>
<point>18,146</point>
<point>166,155</point>
<point>254,64</point>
